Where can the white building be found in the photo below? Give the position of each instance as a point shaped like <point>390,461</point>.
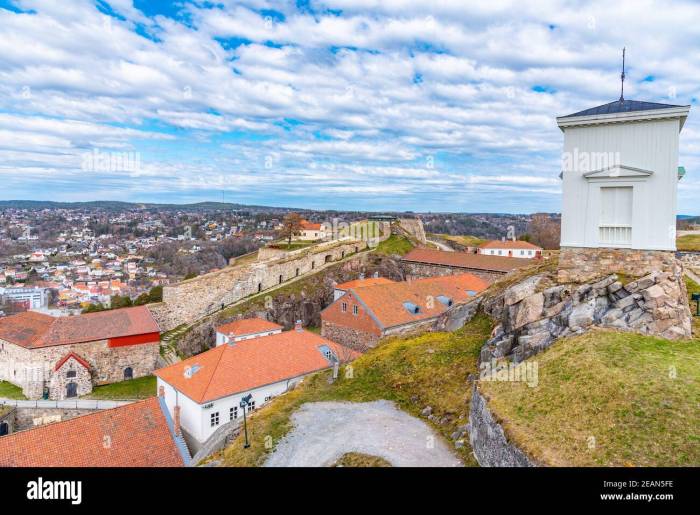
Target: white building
<point>36,298</point>
<point>245,329</point>
<point>620,175</point>
<point>510,248</point>
<point>205,391</point>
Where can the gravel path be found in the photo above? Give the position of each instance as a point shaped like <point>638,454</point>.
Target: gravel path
<point>324,431</point>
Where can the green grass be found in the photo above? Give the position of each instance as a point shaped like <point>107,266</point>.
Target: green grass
<point>464,240</point>
<point>295,245</point>
<point>139,388</point>
<point>10,391</point>
<point>693,287</point>
<point>357,459</point>
<point>688,242</point>
<point>606,398</point>
<point>429,369</point>
<point>394,244</point>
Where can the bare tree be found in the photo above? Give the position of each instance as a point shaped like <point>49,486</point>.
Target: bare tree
<point>291,225</point>
<point>544,231</point>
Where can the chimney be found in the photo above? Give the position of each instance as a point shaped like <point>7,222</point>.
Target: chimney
<point>376,274</point>
<point>297,326</point>
<point>176,420</point>
<point>161,391</point>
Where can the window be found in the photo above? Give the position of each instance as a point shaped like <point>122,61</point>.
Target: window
<point>128,373</point>
<point>214,419</point>
<point>269,397</point>
<point>233,413</point>
<point>522,252</point>
<point>616,215</point>
<point>500,252</point>
<point>344,307</point>
<point>355,310</point>
<point>71,373</point>
<point>251,405</point>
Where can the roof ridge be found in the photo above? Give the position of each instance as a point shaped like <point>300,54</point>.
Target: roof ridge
<point>211,377</point>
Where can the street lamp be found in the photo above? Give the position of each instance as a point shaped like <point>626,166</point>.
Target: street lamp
<point>244,402</point>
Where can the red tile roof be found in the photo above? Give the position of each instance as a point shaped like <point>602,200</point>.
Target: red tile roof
<point>509,244</point>
<point>361,283</point>
<point>34,330</point>
<point>309,226</point>
<point>466,260</point>
<point>75,357</point>
<point>248,326</point>
<point>386,301</point>
<point>135,435</point>
<point>242,366</point>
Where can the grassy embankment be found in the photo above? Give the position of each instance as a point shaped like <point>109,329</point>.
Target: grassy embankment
<point>10,391</point>
<point>688,242</point>
<point>394,245</point>
<point>426,370</point>
<point>464,240</point>
<point>139,388</point>
<point>606,398</point>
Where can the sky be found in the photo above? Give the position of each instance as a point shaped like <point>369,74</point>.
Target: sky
<point>377,105</point>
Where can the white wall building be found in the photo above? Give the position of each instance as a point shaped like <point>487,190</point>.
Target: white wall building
<point>36,298</point>
<point>208,388</point>
<point>510,248</point>
<point>620,175</point>
<point>245,329</point>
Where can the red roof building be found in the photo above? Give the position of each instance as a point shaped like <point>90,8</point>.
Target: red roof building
<point>245,329</point>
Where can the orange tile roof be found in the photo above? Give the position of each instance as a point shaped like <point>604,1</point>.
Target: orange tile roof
<point>466,260</point>
<point>309,226</point>
<point>248,326</point>
<point>361,283</point>
<point>386,301</point>
<point>135,435</point>
<point>242,366</point>
<point>508,244</point>
<point>33,330</point>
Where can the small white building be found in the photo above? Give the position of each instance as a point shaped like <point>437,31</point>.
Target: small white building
<point>510,248</point>
<point>620,175</point>
<point>312,231</point>
<point>205,391</point>
<point>35,298</point>
<point>245,329</point>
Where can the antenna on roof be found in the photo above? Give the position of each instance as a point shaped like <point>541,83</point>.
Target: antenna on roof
<point>622,78</point>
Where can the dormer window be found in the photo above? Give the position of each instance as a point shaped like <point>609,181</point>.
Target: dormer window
<point>445,300</point>
<point>412,308</point>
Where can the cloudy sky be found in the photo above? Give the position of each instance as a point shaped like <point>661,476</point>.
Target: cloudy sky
<point>446,105</point>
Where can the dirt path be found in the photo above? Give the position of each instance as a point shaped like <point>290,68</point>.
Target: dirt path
<point>324,431</point>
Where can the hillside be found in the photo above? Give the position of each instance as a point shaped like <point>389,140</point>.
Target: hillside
<point>606,398</point>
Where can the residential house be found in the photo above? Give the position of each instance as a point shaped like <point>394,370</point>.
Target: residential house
<point>510,248</point>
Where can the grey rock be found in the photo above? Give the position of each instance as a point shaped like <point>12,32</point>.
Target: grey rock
<point>427,411</point>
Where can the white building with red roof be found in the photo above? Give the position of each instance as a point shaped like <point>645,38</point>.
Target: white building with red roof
<point>245,329</point>
<point>205,391</point>
<point>510,248</point>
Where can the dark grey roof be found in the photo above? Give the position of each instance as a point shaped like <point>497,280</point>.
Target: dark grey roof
<point>625,106</point>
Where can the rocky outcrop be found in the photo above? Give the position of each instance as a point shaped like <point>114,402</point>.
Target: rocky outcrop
<point>488,440</point>
<point>532,314</point>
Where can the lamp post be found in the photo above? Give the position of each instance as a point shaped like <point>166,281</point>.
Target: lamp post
<point>244,402</point>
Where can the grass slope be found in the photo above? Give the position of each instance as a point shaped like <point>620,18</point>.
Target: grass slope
<point>429,369</point>
<point>10,391</point>
<point>607,398</point>
<point>688,242</point>
<point>357,459</point>
<point>139,388</point>
<point>394,244</point>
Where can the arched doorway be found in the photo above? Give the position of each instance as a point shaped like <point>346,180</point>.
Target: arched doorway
<point>328,258</point>
<point>4,428</point>
<point>71,390</point>
<point>128,373</point>
<point>280,279</point>
<point>259,287</point>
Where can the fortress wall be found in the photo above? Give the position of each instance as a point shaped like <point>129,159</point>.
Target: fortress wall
<point>190,300</point>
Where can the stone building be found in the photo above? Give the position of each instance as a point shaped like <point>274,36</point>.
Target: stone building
<point>365,314</point>
<point>421,262</point>
<point>62,357</point>
<point>620,178</point>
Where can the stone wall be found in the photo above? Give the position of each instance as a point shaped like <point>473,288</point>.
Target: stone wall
<point>27,418</point>
<point>690,259</point>
<point>190,300</point>
<point>349,336</point>
<point>414,228</point>
<point>418,270</point>
<point>578,265</point>
<point>532,314</point>
<point>488,439</point>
